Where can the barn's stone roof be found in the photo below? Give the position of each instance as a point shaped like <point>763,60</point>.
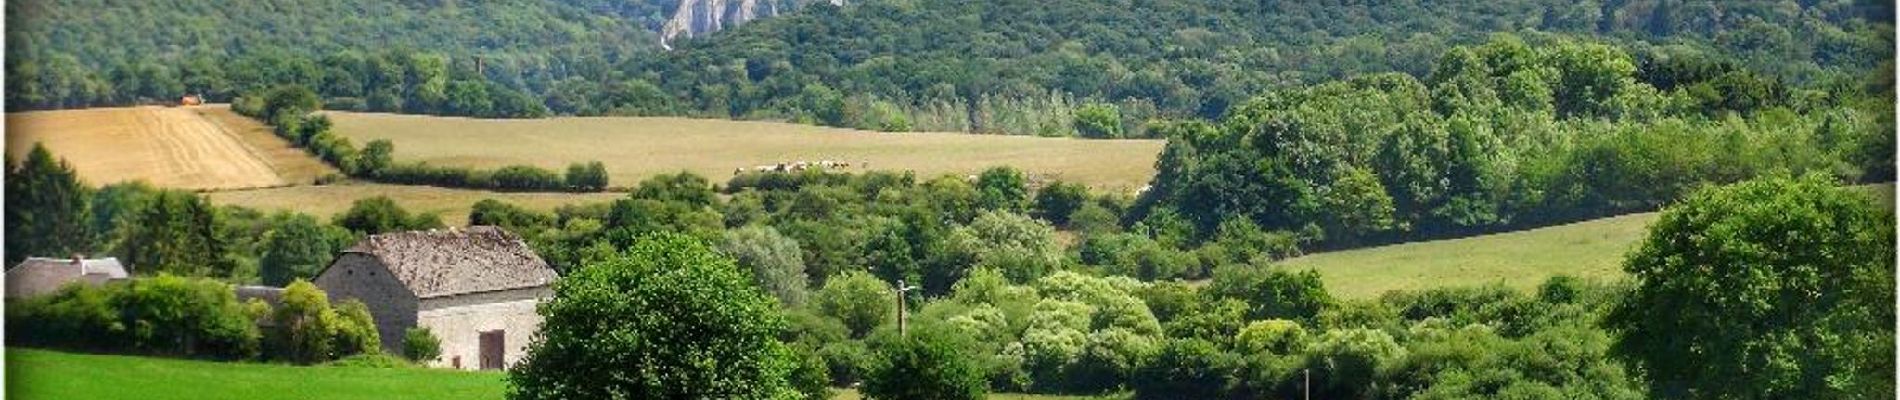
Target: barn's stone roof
<point>37,276</point>
<point>438,263</point>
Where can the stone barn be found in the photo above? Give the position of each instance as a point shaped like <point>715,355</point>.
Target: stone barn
<point>476,289</point>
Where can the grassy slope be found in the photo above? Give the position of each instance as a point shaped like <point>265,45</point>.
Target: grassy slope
<point>635,148</point>
<point>1522,259</point>
<point>38,374</point>
<point>41,374</point>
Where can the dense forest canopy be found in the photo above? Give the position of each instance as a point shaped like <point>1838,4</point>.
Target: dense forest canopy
<point>1008,66</point>
<point>1506,134</point>
<point>83,53</point>
<point>1188,57</point>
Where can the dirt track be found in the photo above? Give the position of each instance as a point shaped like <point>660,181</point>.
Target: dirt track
<point>176,147</point>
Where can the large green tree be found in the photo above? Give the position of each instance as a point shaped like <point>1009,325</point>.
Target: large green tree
<point>380,214</point>
<point>1773,288</point>
<point>858,299</point>
<point>46,208</point>
<point>774,260</point>
<point>668,319</point>
<point>930,363</point>
<point>176,233</point>
<point>297,246</point>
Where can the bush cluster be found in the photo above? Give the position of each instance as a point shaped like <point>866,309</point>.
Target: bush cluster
<point>192,317</point>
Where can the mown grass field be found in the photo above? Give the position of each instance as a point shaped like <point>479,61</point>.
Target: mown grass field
<point>39,374</point>
<point>202,147</point>
<point>635,148</point>
<point>452,204</point>
<point>1522,259</point>
<point>1591,249</point>
<point>42,374</point>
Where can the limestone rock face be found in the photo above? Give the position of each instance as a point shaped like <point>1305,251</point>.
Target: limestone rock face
<point>700,17</point>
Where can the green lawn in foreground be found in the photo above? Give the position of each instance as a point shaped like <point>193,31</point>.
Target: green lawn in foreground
<point>41,374</point>
<point>1521,259</point>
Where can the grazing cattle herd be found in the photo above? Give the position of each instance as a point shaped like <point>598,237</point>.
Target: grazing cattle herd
<point>796,166</point>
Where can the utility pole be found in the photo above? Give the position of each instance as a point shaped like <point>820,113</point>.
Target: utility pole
<point>1308,386</point>
<point>901,289</point>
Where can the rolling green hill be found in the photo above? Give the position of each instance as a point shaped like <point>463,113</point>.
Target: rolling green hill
<point>1523,259</point>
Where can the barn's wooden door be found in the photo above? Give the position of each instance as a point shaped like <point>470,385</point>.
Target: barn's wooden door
<point>492,345</point>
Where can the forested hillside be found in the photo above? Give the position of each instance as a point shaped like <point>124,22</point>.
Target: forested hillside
<point>1051,67</point>
<point>76,53</point>
<point>1021,66</point>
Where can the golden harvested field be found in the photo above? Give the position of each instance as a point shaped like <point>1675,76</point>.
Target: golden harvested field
<point>452,204</point>
<point>636,148</point>
<point>205,147</point>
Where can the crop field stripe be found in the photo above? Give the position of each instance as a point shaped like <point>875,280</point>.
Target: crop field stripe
<point>177,147</point>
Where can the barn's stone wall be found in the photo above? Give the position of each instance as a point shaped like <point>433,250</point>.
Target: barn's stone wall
<point>363,277</point>
<point>459,321</point>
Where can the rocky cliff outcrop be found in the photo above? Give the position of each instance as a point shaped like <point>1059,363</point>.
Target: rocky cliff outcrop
<point>699,17</point>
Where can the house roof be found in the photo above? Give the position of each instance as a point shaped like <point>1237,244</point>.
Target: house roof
<point>38,275</point>
<point>438,263</point>
<point>270,295</point>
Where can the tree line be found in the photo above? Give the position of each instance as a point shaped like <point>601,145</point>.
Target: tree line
<point>289,110</point>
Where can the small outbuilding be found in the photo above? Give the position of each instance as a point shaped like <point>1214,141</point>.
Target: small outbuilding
<point>475,289</point>
<point>40,276</point>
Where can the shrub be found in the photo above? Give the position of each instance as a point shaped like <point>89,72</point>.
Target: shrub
<point>774,260</point>
<point>1349,363</point>
<point>858,299</point>
<point>588,177</point>
<point>690,317</point>
<point>846,361</point>
<point>289,100</point>
<point>173,315</point>
<point>420,345</point>
<point>355,329</point>
<point>163,315</point>
<point>1058,200</point>
<point>77,316</point>
<point>1273,336</point>
<point>380,214</point>
<point>1002,188</point>
<point>810,376</point>
<point>525,177</point>
<point>307,330</point>
<point>1098,121</point>
<point>1184,369</point>
<point>931,363</point>
<point>1272,292</point>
